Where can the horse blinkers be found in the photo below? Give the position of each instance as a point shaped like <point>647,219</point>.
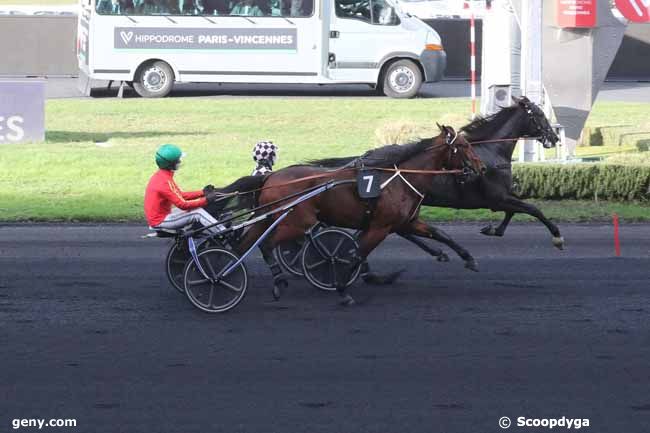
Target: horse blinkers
<point>468,169</point>
<point>546,135</point>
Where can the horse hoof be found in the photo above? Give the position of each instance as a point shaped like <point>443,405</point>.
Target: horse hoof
<point>347,301</point>
<point>278,287</point>
<point>381,279</point>
<point>393,276</point>
<point>443,258</point>
<point>489,230</point>
<point>558,242</point>
<point>472,265</point>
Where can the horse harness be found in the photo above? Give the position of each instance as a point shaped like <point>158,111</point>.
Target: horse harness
<point>370,202</point>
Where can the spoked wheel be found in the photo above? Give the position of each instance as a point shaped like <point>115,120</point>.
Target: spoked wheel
<point>218,293</point>
<point>289,254</point>
<point>330,253</point>
<point>177,259</point>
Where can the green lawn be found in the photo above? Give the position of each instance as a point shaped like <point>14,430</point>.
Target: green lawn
<point>37,2</point>
<point>564,210</point>
<point>99,153</point>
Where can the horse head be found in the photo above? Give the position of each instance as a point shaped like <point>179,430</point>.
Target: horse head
<point>538,125</point>
<point>461,154</point>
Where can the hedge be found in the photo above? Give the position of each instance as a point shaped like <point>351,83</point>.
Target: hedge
<point>583,181</point>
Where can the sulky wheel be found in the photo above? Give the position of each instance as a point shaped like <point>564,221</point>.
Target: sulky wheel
<point>177,258</point>
<point>217,293</point>
<point>176,261</point>
<point>289,254</point>
<point>329,253</point>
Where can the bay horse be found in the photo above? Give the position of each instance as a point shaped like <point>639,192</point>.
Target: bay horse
<point>493,139</point>
<point>409,167</point>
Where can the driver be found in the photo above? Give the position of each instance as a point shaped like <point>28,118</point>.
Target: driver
<point>162,192</point>
<point>265,153</point>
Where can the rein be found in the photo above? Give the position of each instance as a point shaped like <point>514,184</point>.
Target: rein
<point>503,139</point>
<point>347,168</point>
<point>341,170</point>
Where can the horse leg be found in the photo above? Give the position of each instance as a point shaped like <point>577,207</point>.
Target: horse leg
<point>514,205</point>
<point>372,278</point>
<point>422,229</point>
<point>368,241</point>
<point>280,281</point>
<point>489,230</point>
<point>435,252</point>
<point>250,236</point>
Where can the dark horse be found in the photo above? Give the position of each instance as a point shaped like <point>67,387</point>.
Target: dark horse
<point>494,139</point>
<point>394,211</point>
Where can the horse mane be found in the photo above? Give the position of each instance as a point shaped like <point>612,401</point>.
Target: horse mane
<point>385,156</point>
<point>331,162</point>
<point>486,126</point>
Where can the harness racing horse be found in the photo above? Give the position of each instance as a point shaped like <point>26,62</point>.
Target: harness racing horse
<point>407,169</point>
<point>493,139</point>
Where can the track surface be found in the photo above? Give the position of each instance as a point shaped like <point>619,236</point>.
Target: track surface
<point>90,329</point>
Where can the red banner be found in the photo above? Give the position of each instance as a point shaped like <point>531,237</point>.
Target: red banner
<point>576,13</point>
<point>635,10</point>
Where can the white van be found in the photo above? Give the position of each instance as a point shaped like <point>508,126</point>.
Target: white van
<point>151,44</point>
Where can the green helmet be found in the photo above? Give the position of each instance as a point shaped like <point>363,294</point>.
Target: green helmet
<point>168,155</point>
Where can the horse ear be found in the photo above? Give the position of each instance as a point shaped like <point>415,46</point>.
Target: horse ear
<point>440,127</point>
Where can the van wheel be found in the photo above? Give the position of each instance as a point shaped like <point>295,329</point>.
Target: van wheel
<point>402,79</point>
<point>154,80</point>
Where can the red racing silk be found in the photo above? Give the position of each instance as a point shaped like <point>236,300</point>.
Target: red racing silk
<point>162,192</point>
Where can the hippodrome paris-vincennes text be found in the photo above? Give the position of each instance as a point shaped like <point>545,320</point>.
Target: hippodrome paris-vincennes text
<point>217,39</point>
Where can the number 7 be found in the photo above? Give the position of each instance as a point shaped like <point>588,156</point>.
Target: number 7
<point>369,179</point>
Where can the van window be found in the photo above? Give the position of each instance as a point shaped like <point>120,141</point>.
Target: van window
<point>377,12</point>
<point>249,8</point>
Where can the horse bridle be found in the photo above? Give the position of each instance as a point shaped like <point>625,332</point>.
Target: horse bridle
<point>467,168</point>
<point>542,133</point>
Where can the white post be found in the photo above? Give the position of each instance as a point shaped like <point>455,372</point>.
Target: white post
<point>472,44</point>
<point>531,64</point>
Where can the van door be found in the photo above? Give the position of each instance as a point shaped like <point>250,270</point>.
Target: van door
<point>363,33</point>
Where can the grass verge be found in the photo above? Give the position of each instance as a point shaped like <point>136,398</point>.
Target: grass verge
<point>565,210</point>
<point>98,154</point>
<point>37,2</point>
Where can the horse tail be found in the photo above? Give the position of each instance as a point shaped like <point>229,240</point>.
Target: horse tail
<point>244,184</point>
<point>244,195</point>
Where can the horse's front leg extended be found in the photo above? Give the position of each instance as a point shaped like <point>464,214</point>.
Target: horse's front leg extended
<point>489,230</point>
<point>514,205</point>
<point>422,229</point>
